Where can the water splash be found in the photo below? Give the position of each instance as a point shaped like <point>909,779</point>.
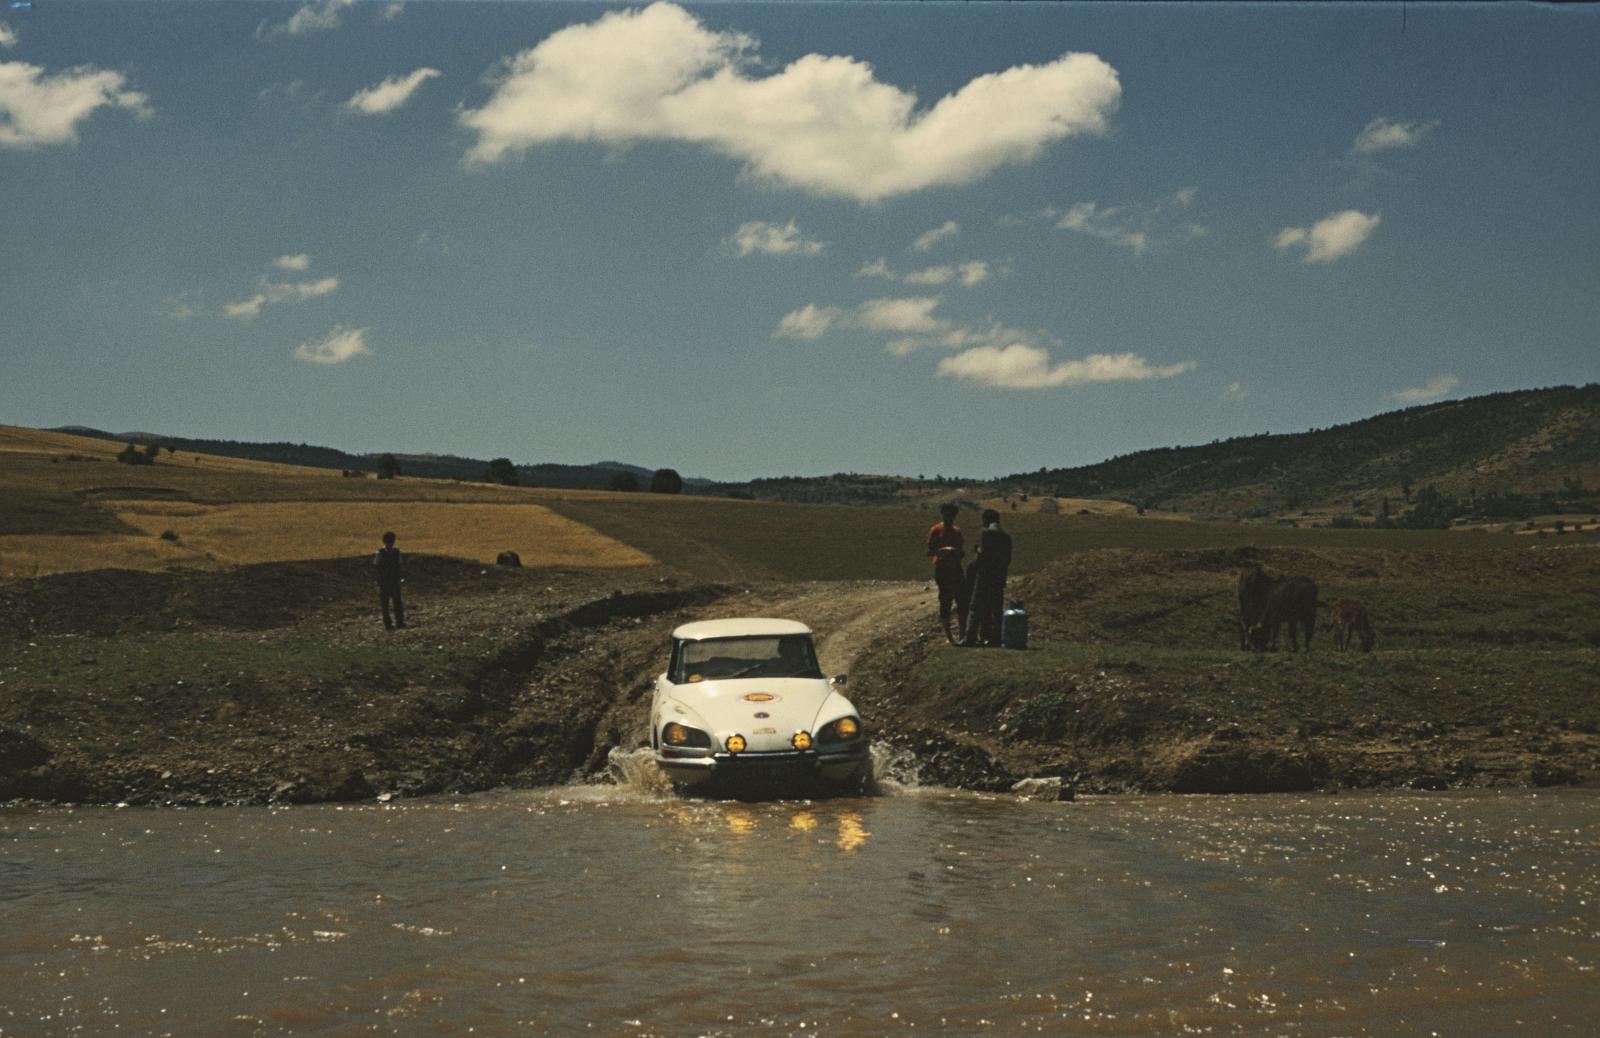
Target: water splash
<point>636,769</point>
<point>895,769</point>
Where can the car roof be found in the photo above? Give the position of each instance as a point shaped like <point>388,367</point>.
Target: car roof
<point>738,627</point>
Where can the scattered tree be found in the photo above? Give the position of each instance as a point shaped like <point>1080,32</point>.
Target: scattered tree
<point>501,470</point>
<point>388,467</point>
<point>131,455</point>
<point>666,481</point>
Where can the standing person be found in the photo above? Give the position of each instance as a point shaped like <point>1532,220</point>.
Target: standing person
<point>987,577</point>
<point>946,548</point>
<point>386,564</point>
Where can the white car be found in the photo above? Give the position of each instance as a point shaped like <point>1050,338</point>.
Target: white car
<point>744,708</point>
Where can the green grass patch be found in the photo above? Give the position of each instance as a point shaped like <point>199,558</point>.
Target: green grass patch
<point>1128,646</point>
<point>716,539</point>
<point>28,511</point>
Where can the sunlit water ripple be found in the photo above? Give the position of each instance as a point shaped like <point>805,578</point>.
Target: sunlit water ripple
<point>619,910</point>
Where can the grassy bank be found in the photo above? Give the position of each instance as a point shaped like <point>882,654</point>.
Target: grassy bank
<point>1484,674</point>
<point>278,682</point>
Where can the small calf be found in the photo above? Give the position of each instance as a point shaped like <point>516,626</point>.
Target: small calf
<point>1350,618</point>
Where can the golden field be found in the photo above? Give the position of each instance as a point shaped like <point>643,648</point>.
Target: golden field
<point>274,531</point>
<point>66,504</point>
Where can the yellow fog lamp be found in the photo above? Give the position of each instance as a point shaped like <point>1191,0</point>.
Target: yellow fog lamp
<point>801,740</point>
<point>734,744</point>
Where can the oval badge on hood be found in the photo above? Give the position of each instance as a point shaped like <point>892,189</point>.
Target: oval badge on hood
<point>759,697</point>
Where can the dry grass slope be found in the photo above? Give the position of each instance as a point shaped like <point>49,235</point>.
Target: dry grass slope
<point>68,506</point>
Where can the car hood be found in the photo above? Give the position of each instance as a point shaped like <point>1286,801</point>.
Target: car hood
<point>790,705</point>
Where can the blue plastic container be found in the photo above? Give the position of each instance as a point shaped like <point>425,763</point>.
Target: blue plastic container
<point>1014,626</point>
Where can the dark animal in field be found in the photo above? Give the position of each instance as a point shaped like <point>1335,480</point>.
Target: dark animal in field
<point>1350,618</point>
<point>508,558</point>
<point>1255,587</point>
<point>1292,602</point>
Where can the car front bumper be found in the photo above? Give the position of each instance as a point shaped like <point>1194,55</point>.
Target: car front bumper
<point>841,766</point>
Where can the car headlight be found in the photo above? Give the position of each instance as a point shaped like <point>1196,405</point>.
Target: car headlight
<point>675,734</point>
<point>845,729</point>
<point>734,744</point>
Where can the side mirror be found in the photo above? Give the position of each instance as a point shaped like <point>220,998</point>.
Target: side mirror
<point>839,679</point>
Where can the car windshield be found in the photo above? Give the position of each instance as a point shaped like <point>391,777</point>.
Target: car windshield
<point>768,656</point>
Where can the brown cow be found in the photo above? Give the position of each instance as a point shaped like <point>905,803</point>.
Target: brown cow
<point>1350,618</point>
<point>1294,602</point>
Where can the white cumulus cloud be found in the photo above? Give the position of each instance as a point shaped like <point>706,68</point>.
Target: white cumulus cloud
<point>8,35</point>
<point>968,274</point>
<point>272,293</point>
<point>390,94</point>
<point>391,11</point>
<point>1135,227</point>
<point>1330,237</point>
<point>773,240</point>
<point>336,347</point>
<point>38,109</point>
<point>808,322</point>
<point>823,124</point>
<point>1021,366</point>
<point>1235,391</point>
<point>948,229</point>
<point>1433,389</point>
<point>1382,133</point>
<point>991,354</point>
<point>313,17</point>
<point>298,261</point>
<point>902,316</point>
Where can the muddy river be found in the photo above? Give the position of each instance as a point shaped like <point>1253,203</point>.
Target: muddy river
<point>616,910</point>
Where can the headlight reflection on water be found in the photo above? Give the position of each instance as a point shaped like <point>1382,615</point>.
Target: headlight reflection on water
<point>849,826</point>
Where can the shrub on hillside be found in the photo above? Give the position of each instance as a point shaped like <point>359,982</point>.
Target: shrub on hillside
<point>624,482</point>
<point>666,481</point>
<point>132,455</point>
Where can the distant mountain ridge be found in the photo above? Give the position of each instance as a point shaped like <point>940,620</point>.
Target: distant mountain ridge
<point>1503,454</point>
<point>596,476</point>
<point>1523,442</point>
<point>1536,444</point>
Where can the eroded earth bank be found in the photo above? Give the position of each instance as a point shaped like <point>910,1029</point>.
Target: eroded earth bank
<point>278,683</point>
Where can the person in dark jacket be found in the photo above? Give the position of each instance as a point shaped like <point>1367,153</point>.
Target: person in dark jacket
<point>386,562</point>
<point>986,581</point>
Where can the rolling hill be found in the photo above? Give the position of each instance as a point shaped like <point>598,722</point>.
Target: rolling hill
<point>1501,457</point>
<point>1528,443</point>
<point>432,466</point>
<point>1505,455</point>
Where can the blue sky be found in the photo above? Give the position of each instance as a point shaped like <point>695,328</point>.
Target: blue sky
<point>762,239</point>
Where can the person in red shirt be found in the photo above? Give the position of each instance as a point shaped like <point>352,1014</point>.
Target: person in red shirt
<point>946,549</point>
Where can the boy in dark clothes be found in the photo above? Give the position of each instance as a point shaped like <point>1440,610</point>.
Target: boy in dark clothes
<point>987,582</point>
<point>386,563</point>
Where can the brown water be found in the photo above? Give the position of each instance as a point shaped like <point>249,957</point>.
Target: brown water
<point>615,911</point>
